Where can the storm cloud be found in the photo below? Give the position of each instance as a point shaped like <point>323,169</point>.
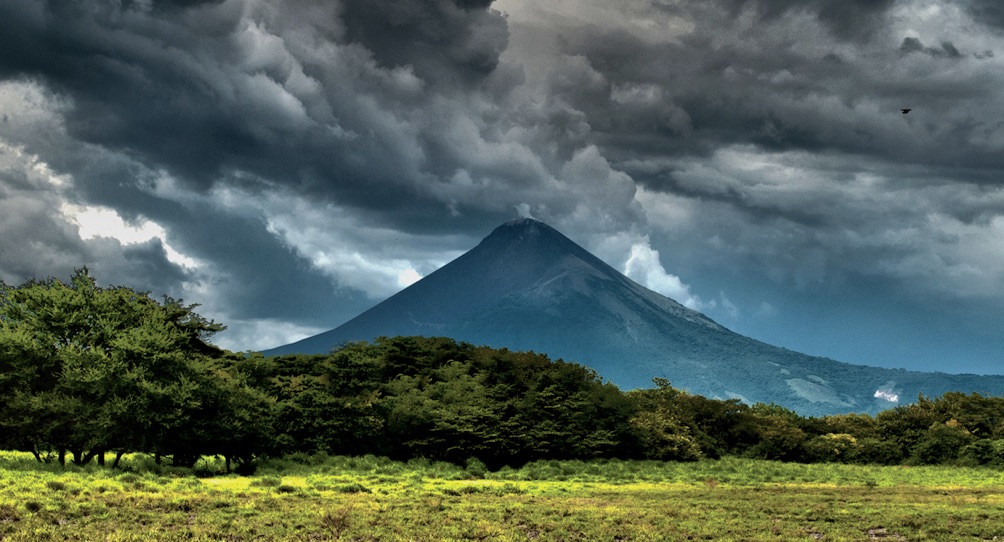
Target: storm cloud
<point>288,164</point>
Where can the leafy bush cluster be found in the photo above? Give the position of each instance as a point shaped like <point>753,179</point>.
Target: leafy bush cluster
<point>86,371</point>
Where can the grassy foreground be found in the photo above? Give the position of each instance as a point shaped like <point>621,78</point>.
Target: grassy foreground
<point>368,498</point>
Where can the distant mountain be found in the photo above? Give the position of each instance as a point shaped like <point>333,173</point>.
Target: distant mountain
<point>528,287</point>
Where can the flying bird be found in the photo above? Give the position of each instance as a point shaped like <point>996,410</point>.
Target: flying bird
<point>905,111</point>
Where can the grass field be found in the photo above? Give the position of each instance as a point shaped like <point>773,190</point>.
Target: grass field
<point>368,498</point>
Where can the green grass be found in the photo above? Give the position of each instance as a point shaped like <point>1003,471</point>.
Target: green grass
<point>370,498</point>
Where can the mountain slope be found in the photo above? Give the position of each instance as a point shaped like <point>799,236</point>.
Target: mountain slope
<point>528,287</point>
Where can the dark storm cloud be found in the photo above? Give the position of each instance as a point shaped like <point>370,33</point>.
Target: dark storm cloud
<point>844,18</point>
<point>987,12</point>
<point>913,45</point>
<point>375,108</point>
<point>313,156</point>
<point>444,40</point>
<point>317,95</point>
<point>781,82</point>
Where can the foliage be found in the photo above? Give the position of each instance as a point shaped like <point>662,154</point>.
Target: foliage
<point>659,424</point>
<point>443,400</point>
<point>86,371</point>
<point>838,447</point>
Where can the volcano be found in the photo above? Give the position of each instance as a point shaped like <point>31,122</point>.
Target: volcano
<point>528,287</point>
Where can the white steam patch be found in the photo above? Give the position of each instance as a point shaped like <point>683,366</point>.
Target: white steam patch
<point>644,267</point>
<point>408,277</point>
<point>523,210</point>
<point>887,395</point>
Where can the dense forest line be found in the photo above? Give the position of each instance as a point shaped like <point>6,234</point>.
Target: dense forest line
<point>87,371</point>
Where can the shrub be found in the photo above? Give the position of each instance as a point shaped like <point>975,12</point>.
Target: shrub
<point>875,452</point>
<point>267,481</point>
<point>8,514</point>
<point>352,488</point>
<point>129,478</point>
<point>978,453</point>
<point>831,447</point>
<point>55,485</point>
<point>942,443</point>
<point>476,468</point>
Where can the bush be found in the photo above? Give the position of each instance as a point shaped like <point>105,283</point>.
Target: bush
<point>55,485</point>
<point>8,514</point>
<point>874,451</point>
<point>246,468</point>
<point>129,478</point>
<point>352,488</point>
<point>476,468</point>
<point>942,443</point>
<point>267,481</point>
<point>831,447</point>
<point>982,452</point>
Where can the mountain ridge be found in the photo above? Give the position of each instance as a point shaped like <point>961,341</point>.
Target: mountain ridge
<point>528,287</point>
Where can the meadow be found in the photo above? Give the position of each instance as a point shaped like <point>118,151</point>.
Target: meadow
<point>371,498</point>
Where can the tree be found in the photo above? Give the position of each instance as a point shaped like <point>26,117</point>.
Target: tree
<point>658,424</point>
<point>662,436</point>
<point>906,425</point>
<point>941,443</point>
<point>832,447</point>
<point>90,369</point>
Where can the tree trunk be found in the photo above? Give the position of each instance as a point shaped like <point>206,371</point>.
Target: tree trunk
<point>227,458</point>
<point>91,455</point>
<point>118,456</point>
<point>62,457</point>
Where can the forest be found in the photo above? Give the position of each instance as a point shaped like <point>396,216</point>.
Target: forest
<point>91,373</point>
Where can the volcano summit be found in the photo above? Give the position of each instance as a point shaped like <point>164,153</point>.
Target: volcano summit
<point>528,287</point>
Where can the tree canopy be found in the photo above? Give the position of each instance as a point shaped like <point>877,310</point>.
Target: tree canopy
<point>86,370</point>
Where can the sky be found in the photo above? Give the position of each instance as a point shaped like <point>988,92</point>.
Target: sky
<point>286,164</point>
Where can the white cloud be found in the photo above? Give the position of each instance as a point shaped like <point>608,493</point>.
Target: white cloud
<point>95,221</point>
<point>261,334</point>
<point>378,261</point>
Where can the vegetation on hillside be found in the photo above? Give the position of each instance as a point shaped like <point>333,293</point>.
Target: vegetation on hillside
<point>86,371</point>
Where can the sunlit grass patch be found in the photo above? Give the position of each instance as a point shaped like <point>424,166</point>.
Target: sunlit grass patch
<point>370,498</point>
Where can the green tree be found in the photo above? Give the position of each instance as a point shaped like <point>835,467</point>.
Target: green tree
<point>658,424</point>
<point>663,437</point>
<point>906,425</point>
<point>832,447</point>
<point>941,443</point>
<point>860,426</point>
<point>90,369</point>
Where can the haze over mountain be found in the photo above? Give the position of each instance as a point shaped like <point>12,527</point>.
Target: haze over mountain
<point>528,287</point>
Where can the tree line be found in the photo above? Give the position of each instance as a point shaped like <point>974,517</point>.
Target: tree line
<point>88,372</point>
